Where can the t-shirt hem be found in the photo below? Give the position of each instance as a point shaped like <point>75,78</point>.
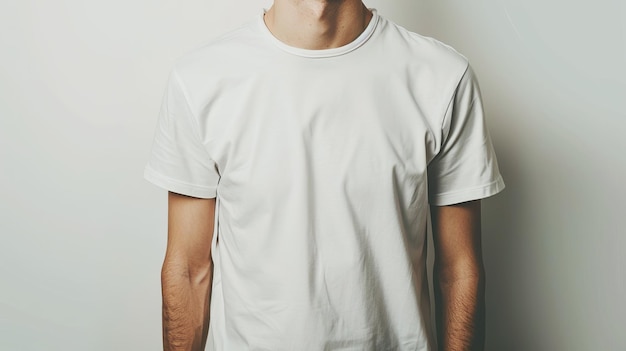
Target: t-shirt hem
<point>177,186</point>
<point>475,193</point>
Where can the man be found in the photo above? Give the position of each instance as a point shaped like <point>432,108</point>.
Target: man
<point>301,153</point>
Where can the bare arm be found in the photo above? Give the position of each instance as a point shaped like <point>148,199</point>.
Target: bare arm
<point>459,277</point>
<point>187,273</point>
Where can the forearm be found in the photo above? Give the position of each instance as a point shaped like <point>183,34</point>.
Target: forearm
<point>186,301</point>
<point>460,304</point>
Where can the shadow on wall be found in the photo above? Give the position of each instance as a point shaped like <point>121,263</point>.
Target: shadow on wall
<point>505,255</point>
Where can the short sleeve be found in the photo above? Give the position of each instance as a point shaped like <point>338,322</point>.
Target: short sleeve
<point>178,161</point>
<point>466,167</point>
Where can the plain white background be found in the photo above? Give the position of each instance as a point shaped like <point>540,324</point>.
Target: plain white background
<point>82,235</point>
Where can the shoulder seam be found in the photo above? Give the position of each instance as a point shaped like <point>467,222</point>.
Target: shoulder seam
<point>450,104</point>
<point>193,117</point>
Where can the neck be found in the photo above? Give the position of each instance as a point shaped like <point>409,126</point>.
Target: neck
<point>317,24</point>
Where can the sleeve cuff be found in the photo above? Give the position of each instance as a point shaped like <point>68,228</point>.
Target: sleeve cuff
<point>177,186</point>
<point>476,193</point>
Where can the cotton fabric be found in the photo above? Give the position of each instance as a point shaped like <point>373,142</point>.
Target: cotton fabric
<point>323,164</point>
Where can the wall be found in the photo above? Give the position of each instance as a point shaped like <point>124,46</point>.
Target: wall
<point>82,235</point>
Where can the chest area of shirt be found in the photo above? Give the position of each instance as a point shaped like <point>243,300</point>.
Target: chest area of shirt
<point>326,110</point>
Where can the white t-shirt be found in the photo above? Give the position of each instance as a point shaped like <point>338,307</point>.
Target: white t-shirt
<point>323,163</point>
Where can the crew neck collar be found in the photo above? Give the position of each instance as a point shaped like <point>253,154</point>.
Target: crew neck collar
<point>321,53</point>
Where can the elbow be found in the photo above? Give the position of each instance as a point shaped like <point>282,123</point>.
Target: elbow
<point>178,269</point>
<point>461,272</point>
